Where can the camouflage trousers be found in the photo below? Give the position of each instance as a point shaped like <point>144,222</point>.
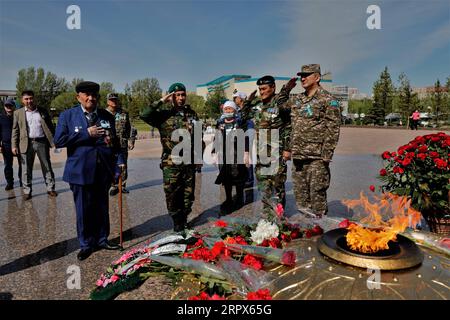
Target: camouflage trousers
<point>311,179</point>
<point>272,187</point>
<point>179,187</point>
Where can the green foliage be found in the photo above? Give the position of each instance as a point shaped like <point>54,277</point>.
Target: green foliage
<point>64,101</point>
<point>197,103</point>
<point>383,94</point>
<point>46,86</point>
<point>141,93</point>
<point>213,102</point>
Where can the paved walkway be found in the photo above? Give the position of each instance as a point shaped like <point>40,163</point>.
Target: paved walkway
<point>38,237</point>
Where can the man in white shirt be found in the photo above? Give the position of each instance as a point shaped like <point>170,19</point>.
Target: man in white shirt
<point>33,134</point>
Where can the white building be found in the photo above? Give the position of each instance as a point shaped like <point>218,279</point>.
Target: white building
<point>247,84</point>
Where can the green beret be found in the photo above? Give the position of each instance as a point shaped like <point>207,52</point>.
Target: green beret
<point>177,87</point>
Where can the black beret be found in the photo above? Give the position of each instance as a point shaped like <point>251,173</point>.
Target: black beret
<point>87,87</point>
<point>265,80</point>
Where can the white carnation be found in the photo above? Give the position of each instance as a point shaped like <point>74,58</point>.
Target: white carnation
<point>264,230</point>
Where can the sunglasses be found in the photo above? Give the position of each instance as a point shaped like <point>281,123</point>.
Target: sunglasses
<point>306,75</point>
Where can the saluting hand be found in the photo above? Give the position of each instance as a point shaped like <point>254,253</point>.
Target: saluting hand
<point>252,95</point>
<point>167,97</point>
<point>291,83</point>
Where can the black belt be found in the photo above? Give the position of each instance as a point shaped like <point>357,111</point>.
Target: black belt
<point>43,139</point>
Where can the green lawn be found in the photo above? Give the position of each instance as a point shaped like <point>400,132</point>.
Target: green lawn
<point>140,125</point>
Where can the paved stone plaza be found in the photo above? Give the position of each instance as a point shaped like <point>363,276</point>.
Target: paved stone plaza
<point>38,237</point>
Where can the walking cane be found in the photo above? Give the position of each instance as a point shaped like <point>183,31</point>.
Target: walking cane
<point>120,207</point>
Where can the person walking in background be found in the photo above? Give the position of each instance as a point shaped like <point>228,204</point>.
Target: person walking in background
<point>6,124</point>
<point>415,117</point>
<point>33,134</point>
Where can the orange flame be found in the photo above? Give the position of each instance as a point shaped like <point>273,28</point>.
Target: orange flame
<point>375,233</point>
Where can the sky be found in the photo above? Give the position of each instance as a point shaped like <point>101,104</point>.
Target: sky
<point>197,41</point>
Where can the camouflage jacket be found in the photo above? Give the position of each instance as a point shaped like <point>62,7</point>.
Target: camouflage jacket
<point>123,128</point>
<point>166,119</point>
<point>270,115</point>
<point>316,121</point>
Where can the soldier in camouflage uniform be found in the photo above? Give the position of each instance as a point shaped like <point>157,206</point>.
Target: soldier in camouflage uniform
<point>315,118</point>
<point>168,114</point>
<point>127,137</point>
<point>267,113</point>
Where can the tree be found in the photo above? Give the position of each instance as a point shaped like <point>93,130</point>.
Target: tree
<point>213,102</point>
<point>437,100</point>
<point>46,86</point>
<point>383,93</point>
<point>74,83</point>
<point>197,103</point>
<point>64,101</point>
<point>107,87</point>
<point>407,100</point>
<point>141,94</point>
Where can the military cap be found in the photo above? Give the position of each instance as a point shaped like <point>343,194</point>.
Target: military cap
<point>87,87</point>
<point>10,102</point>
<point>112,96</point>
<point>309,68</point>
<point>177,87</point>
<point>265,80</point>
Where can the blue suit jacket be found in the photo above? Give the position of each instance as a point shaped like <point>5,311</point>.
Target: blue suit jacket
<point>84,153</point>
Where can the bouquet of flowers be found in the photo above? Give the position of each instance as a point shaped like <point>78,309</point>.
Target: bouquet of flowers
<point>421,171</point>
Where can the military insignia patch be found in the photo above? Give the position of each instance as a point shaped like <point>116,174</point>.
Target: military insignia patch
<point>334,103</point>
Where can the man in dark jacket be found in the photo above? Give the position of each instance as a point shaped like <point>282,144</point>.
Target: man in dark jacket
<point>6,124</point>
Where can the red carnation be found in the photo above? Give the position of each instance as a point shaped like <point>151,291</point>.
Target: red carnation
<point>285,237</point>
<point>253,262</point>
<point>288,258</point>
<point>372,188</point>
<point>435,139</point>
<point>308,234</point>
<point>221,224</point>
<point>441,164</point>
<point>423,149</point>
<point>421,156</point>
<point>383,172</point>
<point>261,294</point>
<point>398,170</point>
<point>386,155</point>
<point>295,234</point>
<point>406,162</point>
<point>317,230</point>
<point>433,154</point>
<point>275,243</point>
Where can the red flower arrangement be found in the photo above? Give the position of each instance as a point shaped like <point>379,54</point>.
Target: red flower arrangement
<point>420,170</point>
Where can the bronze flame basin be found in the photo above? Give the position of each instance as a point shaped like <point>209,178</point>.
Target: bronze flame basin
<point>402,254</point>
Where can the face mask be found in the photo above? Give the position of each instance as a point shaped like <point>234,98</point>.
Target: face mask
<point>228,115</point>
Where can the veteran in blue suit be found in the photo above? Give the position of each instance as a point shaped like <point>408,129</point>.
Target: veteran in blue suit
<point>88,133</point>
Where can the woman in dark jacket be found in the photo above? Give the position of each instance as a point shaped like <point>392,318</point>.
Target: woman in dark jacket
<point>232,167</point>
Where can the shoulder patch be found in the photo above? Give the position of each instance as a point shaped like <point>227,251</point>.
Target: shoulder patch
<point>334,103</point>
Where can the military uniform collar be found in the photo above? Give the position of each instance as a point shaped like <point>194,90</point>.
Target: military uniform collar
<point>305,97</point>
